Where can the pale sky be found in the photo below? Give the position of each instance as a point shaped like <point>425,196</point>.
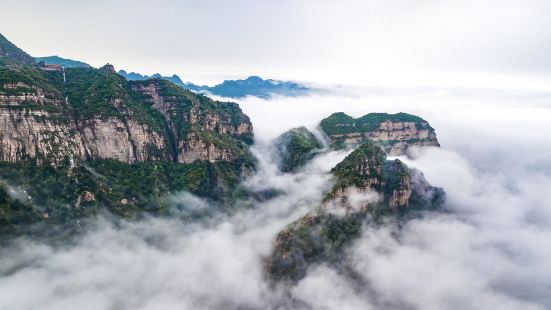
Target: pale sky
<point>402,41</point>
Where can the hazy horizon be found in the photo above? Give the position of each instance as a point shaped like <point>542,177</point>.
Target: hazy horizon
<point>466,43</point>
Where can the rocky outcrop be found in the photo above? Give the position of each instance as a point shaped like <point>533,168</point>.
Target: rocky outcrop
<point>109,68</point>
<point>193,148</point>
<point>126,141</point>
<point>367,189</point>
<point>395,133</point>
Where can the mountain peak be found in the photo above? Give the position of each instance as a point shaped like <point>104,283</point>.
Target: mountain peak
<point>65,62</point>
<point>9,53</point>
<point>109,68</point>
<point>254,78</point>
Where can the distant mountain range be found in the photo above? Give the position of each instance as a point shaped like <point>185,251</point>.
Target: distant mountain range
<point>251,86</point>
<point>133,76</point>
<point>67,63</point>
<point>256,86</point>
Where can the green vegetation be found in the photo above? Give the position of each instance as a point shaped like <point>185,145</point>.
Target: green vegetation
<point>364,163</point>
<point>56,190</point>
<point>339,124</point>
<point>15,211</point>
<point>295,147</point>
<point>372,121</point>
<point>95,93</point>
<point>318,238</point>
<point>124,189</point>
<point>321,236</point>
<point>31,79</point>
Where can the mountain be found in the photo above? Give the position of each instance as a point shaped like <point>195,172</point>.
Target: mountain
<point>252,86</point>
<point>67,63</point>
<point>133,76</point>
<point>75,141</point>
<point>98,114</point>
<point>79,141</point>
<point>396,133</point>
<point>11,54</point>
<point>258,87</point>
<point>368,190</point>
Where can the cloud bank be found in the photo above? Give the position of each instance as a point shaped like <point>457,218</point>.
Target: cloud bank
<point>490,250</point>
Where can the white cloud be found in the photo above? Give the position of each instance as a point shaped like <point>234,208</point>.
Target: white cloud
<point>489,251</point>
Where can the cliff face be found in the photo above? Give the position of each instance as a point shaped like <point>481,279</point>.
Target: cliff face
<point>89,114</point>
<point>74,141</point>
<point>200,130</point>
<point>367,188</point>
<point>394,132</point>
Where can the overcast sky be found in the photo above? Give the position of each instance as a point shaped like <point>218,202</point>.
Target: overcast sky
<point>312,40</point>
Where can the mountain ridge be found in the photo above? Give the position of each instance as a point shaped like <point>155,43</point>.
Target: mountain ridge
<point>57,60</point>
<point>251,86</point>
<point>11,54</point>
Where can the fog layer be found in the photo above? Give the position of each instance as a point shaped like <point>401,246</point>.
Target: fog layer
<point>490,250</point>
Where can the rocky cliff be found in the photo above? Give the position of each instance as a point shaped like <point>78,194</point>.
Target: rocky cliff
<point>89,113</point>
<point>75,141</point>
<point>126,144</point>
<point>395,133</point>
<point>368,188</point>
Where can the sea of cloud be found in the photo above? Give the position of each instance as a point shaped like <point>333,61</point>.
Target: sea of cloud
<point>490,250</point>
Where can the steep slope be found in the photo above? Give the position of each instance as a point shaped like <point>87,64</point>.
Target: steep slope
<point>11,54</point>
<point>368,188</point>
<point>67,63</point>
<point>394,132</point>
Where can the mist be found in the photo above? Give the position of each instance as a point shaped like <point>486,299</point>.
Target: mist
<point>490,249</point>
